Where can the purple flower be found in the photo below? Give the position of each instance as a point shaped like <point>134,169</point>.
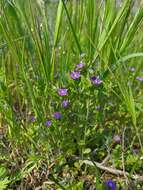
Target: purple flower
<point>140,79</point>
<point>65,103</point>
<point>48,123</point>
<point>96,80</point>
<point>98,107</point>
<point>80,65</point>
<point>63,91</point>
<point>57,115</point>
<point>75,75</point>
<point>33,119</point>
<point>110,184</point>
<point>132,69</point>
<point>117,138</point>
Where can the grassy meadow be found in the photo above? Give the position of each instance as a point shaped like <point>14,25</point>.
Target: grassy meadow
<point>71,95</point>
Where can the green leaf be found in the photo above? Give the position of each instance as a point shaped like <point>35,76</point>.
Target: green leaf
<point>87,151</point>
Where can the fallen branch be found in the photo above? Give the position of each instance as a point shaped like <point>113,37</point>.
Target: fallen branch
<point>112,170</point>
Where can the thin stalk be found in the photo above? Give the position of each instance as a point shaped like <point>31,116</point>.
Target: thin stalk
<point>72,28</point>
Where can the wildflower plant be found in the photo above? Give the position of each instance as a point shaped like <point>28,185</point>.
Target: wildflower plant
<point>70,92</point>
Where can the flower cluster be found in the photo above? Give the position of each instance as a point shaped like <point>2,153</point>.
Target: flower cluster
<point>76,73</point>
<point>56,115</point>
<point>96,80</point>
<point>65,103</point>
<point>139,78</point>
<point>63,92</point>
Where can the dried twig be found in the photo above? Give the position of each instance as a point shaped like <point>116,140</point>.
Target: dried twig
<point>106,159</point>
<point>112,170</point>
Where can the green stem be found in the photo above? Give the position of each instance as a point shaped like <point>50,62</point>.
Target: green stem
<point>72,28</point>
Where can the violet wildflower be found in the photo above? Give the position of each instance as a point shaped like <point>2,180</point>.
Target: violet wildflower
<point>96,80</point>
<point>57,115</point>
<point>80,65</point>
<point>132,69</point>
<point>117,139</point>
<point>33,119</point>
<point>98,107</point>
<point>110,184</point>
<point>63,91</point>
<point>139,79</point>
<point>48,123</point>
<point>65,103</point>
<point>75,75</point>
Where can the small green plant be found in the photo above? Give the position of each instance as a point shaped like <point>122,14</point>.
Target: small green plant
<point>4,180</point>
